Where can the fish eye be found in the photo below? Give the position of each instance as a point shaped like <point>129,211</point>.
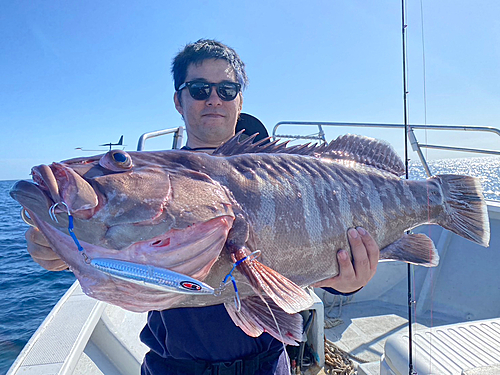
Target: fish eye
<point>119,157</point>
<point>116,160</point>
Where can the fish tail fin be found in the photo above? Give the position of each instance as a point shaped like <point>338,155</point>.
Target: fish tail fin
<point>415,248</point>
<point>284,292</point>
<point>466,213</point>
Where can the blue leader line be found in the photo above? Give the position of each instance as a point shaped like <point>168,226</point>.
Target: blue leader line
<point>251,256</point>
<point>52,212</point>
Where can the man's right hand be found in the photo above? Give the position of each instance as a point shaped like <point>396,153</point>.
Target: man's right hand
<point>41,252</point>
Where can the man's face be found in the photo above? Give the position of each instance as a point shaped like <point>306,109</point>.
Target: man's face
<point>212,121</point>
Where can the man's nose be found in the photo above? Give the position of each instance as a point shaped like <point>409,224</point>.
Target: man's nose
<point>213,99</point>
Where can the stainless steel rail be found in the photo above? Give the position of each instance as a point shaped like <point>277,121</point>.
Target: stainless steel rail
<point>416,146</point>
<point>320,135</point>
<point>177,143</point>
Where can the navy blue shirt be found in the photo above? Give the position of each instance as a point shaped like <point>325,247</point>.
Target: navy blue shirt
<point>202,333</point>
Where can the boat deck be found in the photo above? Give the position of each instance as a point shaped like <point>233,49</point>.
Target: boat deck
<point>84,336</point>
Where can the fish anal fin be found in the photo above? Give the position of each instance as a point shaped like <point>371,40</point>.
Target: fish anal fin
<point>414,248</point>
<point>285,293</point>
<point>244,319</point>
<point>258,315</point>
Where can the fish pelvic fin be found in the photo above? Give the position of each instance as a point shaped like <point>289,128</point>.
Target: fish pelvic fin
<point>284,292</point>
<point>466,213</point>
<point>258,315</point>
<point>414,248</point>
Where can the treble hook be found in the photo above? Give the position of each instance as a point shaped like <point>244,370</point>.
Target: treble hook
<point>52,211</point>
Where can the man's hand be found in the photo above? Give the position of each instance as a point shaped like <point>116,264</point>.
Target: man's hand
<point>354,275</point>
<point>41,252</point>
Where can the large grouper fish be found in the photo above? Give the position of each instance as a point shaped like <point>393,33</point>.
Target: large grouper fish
<point>199,214</point>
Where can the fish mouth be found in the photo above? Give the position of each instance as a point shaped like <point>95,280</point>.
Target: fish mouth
<point>53,184</point>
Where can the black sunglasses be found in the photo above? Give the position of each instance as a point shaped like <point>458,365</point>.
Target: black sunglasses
<point>200,90</point>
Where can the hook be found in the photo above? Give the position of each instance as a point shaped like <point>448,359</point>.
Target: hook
<point>26,218</point>
<point>52,211</point>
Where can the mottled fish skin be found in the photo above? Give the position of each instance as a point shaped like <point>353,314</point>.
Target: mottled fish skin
<point>300,207</point>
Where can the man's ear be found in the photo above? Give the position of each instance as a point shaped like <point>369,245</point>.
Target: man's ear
<point>241,104</point>
<point>178,104</point>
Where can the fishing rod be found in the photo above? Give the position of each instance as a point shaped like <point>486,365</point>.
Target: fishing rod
<point>411,370</point>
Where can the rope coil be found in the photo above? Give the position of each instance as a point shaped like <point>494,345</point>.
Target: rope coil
<point>337,361</point>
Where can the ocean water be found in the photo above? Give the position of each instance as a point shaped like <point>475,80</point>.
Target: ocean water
<point>28,292</point>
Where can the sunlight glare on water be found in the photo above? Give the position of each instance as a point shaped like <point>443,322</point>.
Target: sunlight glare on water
<point>487,169</point>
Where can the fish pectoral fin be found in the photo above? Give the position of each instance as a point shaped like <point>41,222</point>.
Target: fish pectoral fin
<point>285,293</point>
<point>259,314</point>
<point>414,248</point>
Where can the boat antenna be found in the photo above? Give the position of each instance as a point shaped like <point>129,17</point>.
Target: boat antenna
<point>411,370</point>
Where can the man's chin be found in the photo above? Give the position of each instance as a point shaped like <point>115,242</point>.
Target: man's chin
<point>213,131</point>
<point>218,127</point>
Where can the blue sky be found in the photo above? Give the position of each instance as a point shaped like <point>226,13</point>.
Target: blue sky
<point>81,73</point>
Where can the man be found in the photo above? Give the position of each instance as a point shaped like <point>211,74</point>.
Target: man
<point>208,78</point>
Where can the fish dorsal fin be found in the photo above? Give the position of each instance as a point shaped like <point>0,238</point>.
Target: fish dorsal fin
<point>366,150</point>
<point>235,146</point>
<point>349,147</point>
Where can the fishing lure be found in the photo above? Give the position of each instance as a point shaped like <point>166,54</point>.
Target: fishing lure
<point>150,276</point>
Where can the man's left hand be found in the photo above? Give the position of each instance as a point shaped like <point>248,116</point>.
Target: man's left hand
<point>354,275</point>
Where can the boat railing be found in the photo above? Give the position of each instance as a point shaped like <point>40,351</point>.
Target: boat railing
<point>320,136</point>
<point>177,141</point>
<point>416,145</point>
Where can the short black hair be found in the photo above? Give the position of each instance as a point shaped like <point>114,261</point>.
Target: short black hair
<point>204,49</point>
